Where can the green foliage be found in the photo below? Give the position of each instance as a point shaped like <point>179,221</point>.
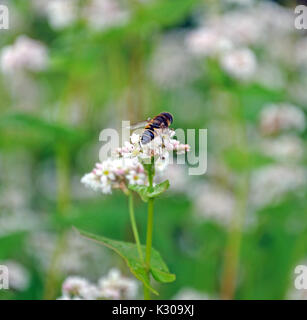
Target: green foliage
<point>128,251</point>
<point>146,192</point>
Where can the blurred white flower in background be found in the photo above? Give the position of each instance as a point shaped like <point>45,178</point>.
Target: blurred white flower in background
<point>102,14</point>
<point>190,294</point>
<point>280,25</point>
<point>77,257</point>
<point>239,2</point>
<point>25,54</point>
<point>207,42</point>
<point>269,184</point>
<point>214,203</point>
<point>284,148</point>
<point>113,286</point>
<point>19,277</point>
<point>275,118</point>
<point>301,52</point>
<point>17,221</point>
<point>229,35</point>
<point>171,65</point>
<point>61,13</point>
<point>177,176</point>
<point>270,75</point>
<point>77,288</point>
<point>240,63</point>
<point>241,27</point>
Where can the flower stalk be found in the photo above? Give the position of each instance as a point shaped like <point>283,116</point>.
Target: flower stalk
<point>151,172</point>
<point>134,227</point>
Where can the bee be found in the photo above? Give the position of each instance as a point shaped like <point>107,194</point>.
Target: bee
<point>161,121</point>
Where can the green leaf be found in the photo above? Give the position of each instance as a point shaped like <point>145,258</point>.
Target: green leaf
<point>158,189</point>
<point>162,276</point>
<point>141,190</point>
<point>128,251</point>
<point>146,192</point>
<point>33,126</point>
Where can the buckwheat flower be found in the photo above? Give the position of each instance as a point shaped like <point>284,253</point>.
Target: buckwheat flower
<point>103,14</point>
<point>239,63</point>
<point>162,164</point>
<point>301,52</point>
<point>180,148</point>
<point>135,138</point>
<point>207,41</point>
<point>242,27</point>
<point>172,65</point>
<point>126,164</point>
<point>61,13</point>
<point>240,2</point>
<point>284,148</point>
<point>106,186</point>
<point>177,176</point>
<point>269,184</point>
<point>136,178</point>
<point>105,170</point>
<point>275,118</point>
<point>115,286</point>
<point>75,287</point>
<point>24,55</point>
<point>190,294</point>
<point>92,181</point>
<point>214,203</point>
<point>19,277</point>
<point>270,75</point>
<point>159,147</point>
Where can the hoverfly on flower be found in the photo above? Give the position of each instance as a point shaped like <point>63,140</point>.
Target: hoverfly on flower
<point>162,121</point>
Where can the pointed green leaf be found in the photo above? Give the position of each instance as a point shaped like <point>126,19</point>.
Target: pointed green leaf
<point>162,276</point>
<point>158,189</point>
<point>141,190</point>
<point>146,192</point>
<point>128,251</point>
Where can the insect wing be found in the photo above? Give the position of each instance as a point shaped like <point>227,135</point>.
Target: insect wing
<point>138,125</point>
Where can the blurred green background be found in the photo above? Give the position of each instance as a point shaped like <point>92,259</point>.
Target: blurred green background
<point>236,68</point>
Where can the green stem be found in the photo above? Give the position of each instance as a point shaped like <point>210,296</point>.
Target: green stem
<point>151,172</point>
<point>134,227</point>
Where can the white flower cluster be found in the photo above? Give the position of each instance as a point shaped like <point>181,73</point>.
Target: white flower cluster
<point>284,148</point>
<point>276,118</point>
<point>240,63</point>
<point>115,173</point>
<point>24,55</point>
<point>228,36</point>
<point>171,65</point>
<point>99,14</point>
<point>126,166</point>
<point>114,286</point>
<point>19,277</point>
<point>270,183</point>
<point>214,203</point>
<point>102,14</point>
<point>190,294</point>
